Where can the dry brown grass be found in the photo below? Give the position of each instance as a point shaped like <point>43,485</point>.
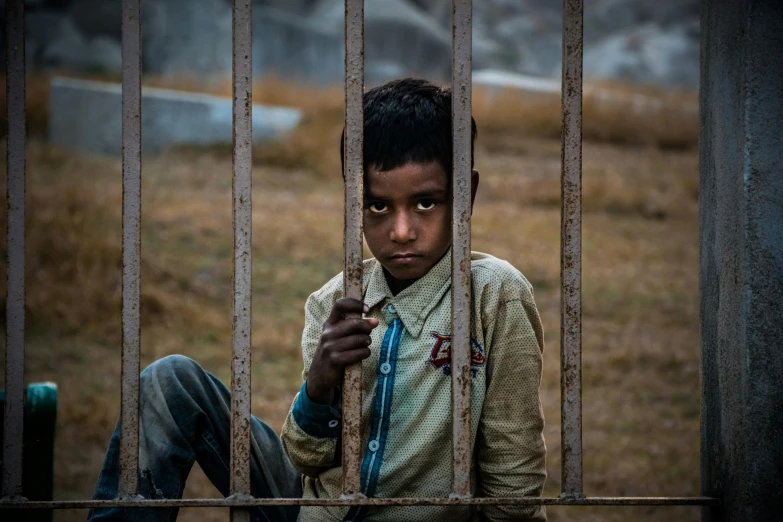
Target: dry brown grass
<point>641,395</point>
<point>74,251</point>
<point>505,118</point>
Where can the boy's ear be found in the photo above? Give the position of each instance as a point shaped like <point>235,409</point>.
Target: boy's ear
<point>474,181</point>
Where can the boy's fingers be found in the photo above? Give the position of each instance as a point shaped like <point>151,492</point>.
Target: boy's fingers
<point>351,356</point>
<point>344,306</point>
<point>349,343</point>
<point>351,326</point>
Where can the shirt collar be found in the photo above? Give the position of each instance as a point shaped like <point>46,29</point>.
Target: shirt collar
<point>415,303</point>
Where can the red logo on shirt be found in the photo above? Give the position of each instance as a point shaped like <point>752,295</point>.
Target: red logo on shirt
<point>440,355</point>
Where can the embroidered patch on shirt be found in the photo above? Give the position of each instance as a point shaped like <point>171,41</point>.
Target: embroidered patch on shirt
<point>440,355</point>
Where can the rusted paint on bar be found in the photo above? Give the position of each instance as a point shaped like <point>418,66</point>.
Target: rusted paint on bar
<point>352,237</point>
<point>242,80</point>
<point>15,187</point>
<point>131,246</point>
<point>407,501</point>
<point>460,267</point>
<point>571,252</point>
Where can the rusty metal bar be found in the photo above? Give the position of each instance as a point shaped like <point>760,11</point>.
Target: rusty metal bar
<point>352,237</point>
<point>461,65</point>
<point>242,80</point>
<point>571,252</point>
<point>131,246</point>
<point>406,501</point>
<point>15,187</point>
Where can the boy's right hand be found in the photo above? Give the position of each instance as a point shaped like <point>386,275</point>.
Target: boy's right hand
<point>343,342</point>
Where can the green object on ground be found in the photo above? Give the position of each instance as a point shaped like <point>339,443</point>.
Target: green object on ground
<point>40,420</point>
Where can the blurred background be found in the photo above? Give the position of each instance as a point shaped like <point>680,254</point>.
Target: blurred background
<point>640,230</point>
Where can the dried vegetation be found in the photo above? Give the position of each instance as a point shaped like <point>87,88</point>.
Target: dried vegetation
<point>641,386</point>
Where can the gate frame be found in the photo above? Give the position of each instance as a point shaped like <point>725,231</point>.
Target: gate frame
<point>240,500</point>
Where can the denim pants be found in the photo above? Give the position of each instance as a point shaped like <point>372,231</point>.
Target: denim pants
<point>184,417</point>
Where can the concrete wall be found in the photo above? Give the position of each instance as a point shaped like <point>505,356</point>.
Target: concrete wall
<point>741,263</point>
<point>87,116</point>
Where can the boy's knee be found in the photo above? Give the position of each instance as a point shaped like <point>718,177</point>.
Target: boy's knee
<point>174,364</point>
<point>172,371</point>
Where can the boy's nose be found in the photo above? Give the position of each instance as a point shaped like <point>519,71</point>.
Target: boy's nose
<point>402,231</point>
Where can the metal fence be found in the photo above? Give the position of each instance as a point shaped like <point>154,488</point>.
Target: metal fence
<point>240,499</point>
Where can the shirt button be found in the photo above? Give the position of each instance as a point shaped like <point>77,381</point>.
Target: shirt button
<point>385,368</point>
<point>391,308</point>
<point>333,423</point>
<point>374,445</point>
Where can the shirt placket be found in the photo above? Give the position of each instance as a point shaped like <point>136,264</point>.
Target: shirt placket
<point>379,427</point>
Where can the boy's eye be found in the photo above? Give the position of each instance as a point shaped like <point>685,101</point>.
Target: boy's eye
<point>426,204</point>
<point>378,207</point>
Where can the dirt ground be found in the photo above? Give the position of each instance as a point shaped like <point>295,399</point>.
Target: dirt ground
<point>641,393</point>
<point>640,276</point>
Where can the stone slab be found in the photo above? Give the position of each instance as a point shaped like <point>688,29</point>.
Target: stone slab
<point>86,116</point>
<point>495,81</point>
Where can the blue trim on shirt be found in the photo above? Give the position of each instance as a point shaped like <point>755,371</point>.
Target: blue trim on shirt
<point>386,408</point>
<point>381,415</point>
<point>314,418</point>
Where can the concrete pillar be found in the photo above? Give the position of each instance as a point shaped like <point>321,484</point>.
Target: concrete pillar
<point>741,260</point>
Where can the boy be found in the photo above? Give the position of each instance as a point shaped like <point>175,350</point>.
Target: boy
<point>404,345</point>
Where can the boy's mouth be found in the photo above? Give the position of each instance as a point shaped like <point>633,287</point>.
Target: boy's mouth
<point>404,258</point>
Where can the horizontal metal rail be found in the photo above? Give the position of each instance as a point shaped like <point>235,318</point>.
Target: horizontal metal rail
<point>408,501</point>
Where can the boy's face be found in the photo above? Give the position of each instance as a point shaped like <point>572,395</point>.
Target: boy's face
<point>407,219</point>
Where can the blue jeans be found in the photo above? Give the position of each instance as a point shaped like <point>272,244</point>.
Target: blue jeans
<point>184,417</point>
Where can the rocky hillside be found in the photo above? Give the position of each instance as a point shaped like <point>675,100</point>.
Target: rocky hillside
<point>644,41</point>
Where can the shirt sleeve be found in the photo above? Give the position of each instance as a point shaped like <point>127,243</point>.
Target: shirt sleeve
<point>311,430</point>
<point>510,445</point>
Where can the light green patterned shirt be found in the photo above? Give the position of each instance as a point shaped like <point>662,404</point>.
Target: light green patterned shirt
<point>406,398</point>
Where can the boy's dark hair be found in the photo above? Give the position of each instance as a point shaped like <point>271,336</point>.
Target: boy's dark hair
<point>407,120</point>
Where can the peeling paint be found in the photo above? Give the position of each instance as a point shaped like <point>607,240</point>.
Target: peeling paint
<point>131,247</point>
<point>352,236</point>
<point>358,500</point>
<point>571,251</point>
<point>242,187</point>
<point>460,276</point>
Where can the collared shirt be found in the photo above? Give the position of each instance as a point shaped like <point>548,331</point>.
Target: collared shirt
<point>406,428</point>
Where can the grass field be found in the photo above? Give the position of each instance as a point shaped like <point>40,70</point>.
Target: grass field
<point>640,254</point>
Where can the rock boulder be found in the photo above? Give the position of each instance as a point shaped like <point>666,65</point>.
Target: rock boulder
<point>648,41</point>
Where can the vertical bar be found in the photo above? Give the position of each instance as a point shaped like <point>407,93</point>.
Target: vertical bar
<point>460,266</point>
<point>242,80</point>
<point>131,246</point>
<point>15,175</point>
<point>571,252</point>
<point>352,237</point>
